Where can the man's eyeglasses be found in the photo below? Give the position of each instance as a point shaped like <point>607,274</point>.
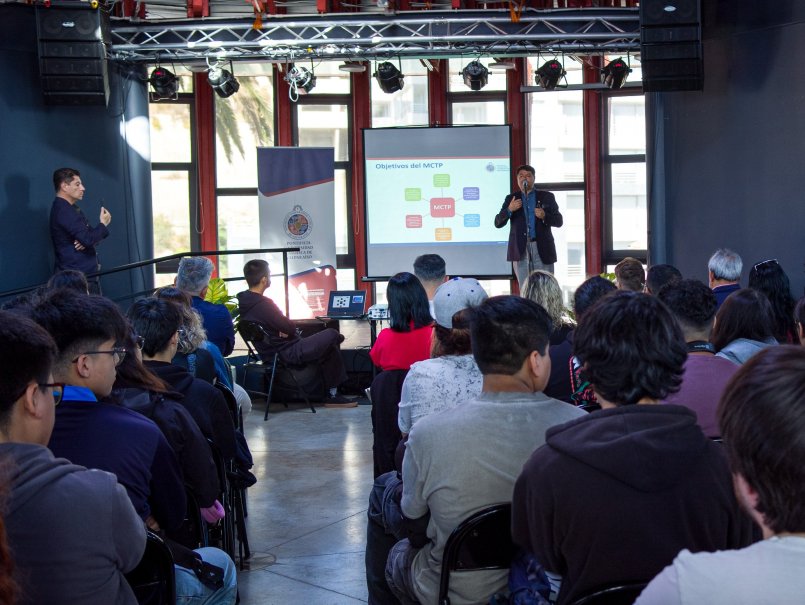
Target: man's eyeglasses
<point>139,341</point>
<point>771,261</point>
<point>57,390</point>
<point>119,353</point>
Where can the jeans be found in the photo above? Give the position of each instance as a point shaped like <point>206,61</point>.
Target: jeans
<point>191,591</point>
<point>380,538</point>
<point>530,261</point>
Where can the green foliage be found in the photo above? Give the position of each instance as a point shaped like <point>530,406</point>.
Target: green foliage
<point>250,106</point>
<point>610,276</point>
<point>217,293</point>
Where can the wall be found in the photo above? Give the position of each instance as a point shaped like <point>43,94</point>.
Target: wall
<point>726,163</point>
<point>109,146</point>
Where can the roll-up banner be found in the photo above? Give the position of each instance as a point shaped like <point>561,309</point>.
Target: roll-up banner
<point>296,209</point>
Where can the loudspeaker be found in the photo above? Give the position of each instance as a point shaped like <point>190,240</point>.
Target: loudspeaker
<point>671,45</point>
<point>72,55</point>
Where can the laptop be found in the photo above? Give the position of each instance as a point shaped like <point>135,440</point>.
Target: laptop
<point>346,304</point>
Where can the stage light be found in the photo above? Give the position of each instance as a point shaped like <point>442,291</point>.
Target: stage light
<point>502,65</point>
<point>549,74</point>
<point>475,75</point>
<point>389,78</point>
<point>615,73</point>
<point>222,81</point>
<point>301,79</point>
<point>164,83</point>
<point>352,67</point>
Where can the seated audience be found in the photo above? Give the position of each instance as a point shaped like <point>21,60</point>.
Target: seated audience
<point>464,459</point>
<point>630,275</point>
<point>321,348</point>
<point>658,276</point>
<point>799,320</point>
<point>724,274</point>
<point>743,326</point>
<point>193,278</point>
<point>762,418</point>
<point>612,497</point>
<point>430,271</point>
<point>451,376</point>
<point>768,277</point>
<point>543,288</point>
<point>73,532</point>
<point>584,298</point>
<point>693,305</point>
<point>68,278</point>
<point>407,339</point>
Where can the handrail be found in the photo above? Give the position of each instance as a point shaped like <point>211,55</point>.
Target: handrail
<point>179,255</point>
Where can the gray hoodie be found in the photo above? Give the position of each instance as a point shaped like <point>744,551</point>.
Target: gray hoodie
<point>73,532</point>
<point>741,349</point>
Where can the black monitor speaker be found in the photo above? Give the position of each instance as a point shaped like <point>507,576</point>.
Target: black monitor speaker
<point>671,45</point>
<point>72,44</point>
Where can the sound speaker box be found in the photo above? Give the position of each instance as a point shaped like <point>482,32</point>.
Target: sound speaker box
<point>72,55</point>
<point>671,45</point>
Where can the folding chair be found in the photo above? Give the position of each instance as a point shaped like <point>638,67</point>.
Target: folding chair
<point>624,594</point>
<point>481,541</point>
<point>154,579</point>
<point>252,332</point>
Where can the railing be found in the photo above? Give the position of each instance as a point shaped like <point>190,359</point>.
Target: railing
<point>162,259</point>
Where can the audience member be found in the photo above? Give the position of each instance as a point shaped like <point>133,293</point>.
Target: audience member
<point>762,418</point>
<point>724,273</point>
<point>321,348</point>
<point>706,375</point>
<point>73,532</point>
<point>612,497</point>
<point>430,271</point>
<point>407,339</point>
<point>743,326</point>
<point>193,278</point>
<point>88,330</point>
<point>585,297</point>
<point>464,459</point>
<point>630,275</point>
<point>451,377</point>
<point>658,276</point>
<point>799,320</point>
<point>768,277</point>
<point>543,288</point>
<point>68,278</point>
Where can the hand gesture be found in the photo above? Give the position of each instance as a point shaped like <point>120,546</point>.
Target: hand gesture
<point>78,245</point>
<point>105,218</point>
<point>515,204</point>
<point>539,213</point>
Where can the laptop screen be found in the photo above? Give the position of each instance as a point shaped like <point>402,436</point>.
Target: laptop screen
<point>346,303</point>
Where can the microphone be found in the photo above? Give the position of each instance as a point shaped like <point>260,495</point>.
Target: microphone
<point>525,184</point>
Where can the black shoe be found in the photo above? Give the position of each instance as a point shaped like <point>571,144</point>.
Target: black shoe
<point>340,401</point>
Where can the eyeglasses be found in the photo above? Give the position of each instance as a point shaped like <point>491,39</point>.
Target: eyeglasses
<point>119,353</point>
<point>139,341</point>
<point>58,390</point>
<point>771,261</point>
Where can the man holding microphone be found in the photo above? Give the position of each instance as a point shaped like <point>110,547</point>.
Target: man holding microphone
<point>532,214</point>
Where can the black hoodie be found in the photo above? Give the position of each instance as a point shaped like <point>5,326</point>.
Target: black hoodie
<point>73,532</point>
<point>612,497</point>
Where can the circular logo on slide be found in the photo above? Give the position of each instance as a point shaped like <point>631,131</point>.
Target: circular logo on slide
<point>298,223</point>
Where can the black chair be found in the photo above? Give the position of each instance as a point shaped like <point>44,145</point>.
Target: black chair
<point>624,594</point>
<point>481,541</point>
<point>386,390</point>
<point>232,404</point>
<point>154,579</point>
<point>252,332</point>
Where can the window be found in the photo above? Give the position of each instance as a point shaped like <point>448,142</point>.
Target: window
<point>406,107</point>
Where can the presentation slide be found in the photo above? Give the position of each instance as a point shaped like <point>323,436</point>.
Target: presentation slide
<point>437,190</point>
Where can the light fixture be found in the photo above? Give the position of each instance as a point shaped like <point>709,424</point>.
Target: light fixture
<point>549,74</point>
<point>475,75</point>
<point>615,73</point>
<point>352,67</point>
<point>389,78</point>
<point>164,83</point>
<point>300,79</point>
<point>502,65</point>
<point>222,81</point>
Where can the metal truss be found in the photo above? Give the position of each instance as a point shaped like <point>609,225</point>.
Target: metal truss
<point>426,34</point>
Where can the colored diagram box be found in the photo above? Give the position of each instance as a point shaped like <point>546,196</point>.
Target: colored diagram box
<point>413,221</point>
<point>441,180</point>
<point>413,194</point>
<point>444,234</point>
<point>471,193</point>
<point>472,220</point>
<point>442,207</point>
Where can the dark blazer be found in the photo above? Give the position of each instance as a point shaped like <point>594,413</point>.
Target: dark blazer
<point>518,231</point>
<point>67,224</point>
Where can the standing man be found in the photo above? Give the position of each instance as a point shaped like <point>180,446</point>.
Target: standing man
<point>532,215</point>
<point>74,240</point>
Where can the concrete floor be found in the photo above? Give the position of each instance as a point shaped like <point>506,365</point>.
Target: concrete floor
<point>307,511</point>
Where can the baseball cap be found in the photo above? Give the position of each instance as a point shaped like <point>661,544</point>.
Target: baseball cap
<point>453,296</point>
